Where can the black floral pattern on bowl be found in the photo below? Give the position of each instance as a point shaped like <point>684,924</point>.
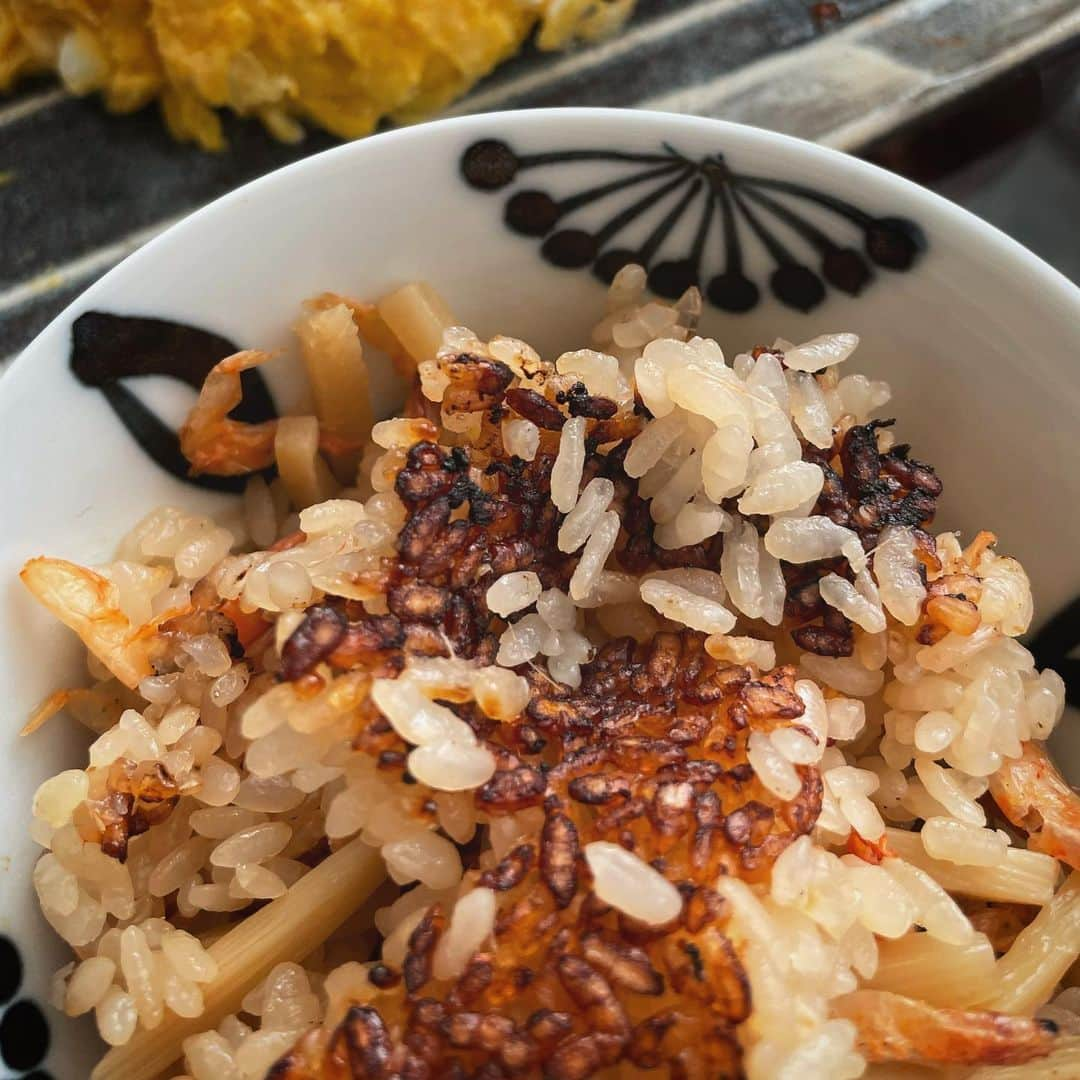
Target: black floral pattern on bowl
<point>661,189</point>
<point>24,1031</point>
<point>109,350</point>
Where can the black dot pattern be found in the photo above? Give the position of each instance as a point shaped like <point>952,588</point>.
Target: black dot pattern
<point>671,279</point>
<point>733,292</point>
<point>11,970</point>
<point>571,248</point>
<point>24,1031</point>
<point>612,261</point>
<point>894,243</point>
<point>846,269</point>
<point>532,213</point>
<point>489,165</point>
<point>797,286</point>
<point>24,1036</point>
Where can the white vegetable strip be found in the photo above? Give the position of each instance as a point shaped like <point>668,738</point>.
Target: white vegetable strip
<point>1041,954</point>
<point>1023,877</point>
<point>950,976</point>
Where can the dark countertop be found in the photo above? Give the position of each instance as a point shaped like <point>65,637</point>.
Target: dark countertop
<point>1010,154</point>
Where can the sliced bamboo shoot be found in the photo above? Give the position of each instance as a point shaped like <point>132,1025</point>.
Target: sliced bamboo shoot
<point>417,315</point>
<point>1023,877</point>
<point>1041,954</point>
<point>285,930</point>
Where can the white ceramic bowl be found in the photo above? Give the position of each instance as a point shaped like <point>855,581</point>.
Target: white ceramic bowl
<point>977,336</point>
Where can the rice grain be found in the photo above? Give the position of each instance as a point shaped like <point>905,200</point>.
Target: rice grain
<point>621,879</point>
<point>566,472</point>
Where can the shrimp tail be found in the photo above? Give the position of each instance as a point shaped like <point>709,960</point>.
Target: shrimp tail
<point>893,1028</point>
<point>213,442</point>
<point>1034,796</point>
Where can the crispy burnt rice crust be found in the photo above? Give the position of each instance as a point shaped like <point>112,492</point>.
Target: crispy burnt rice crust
<point>436,590</point>
<point>875,490</point>
<point>650,753</point>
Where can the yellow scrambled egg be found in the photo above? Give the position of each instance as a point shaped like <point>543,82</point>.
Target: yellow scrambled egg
<point>340,64</point>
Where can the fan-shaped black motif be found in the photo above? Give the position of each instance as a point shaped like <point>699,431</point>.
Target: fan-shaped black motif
<point>732,210</point>
<point>107,350</point>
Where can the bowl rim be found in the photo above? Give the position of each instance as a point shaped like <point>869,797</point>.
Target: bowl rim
<point>1055,287</point>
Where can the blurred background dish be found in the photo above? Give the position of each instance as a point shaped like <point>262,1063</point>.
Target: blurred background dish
<point>338,67</point>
